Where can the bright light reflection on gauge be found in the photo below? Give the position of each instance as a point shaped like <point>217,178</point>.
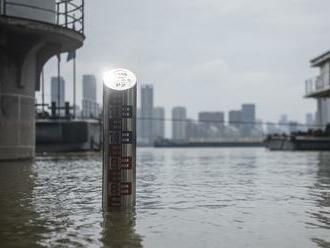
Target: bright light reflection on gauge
<point>119,79</point>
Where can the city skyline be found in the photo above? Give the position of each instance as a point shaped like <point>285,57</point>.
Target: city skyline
<point>229,117</point>
<point>153,123</point>
<point>238,52</point>
<point>193,115</point>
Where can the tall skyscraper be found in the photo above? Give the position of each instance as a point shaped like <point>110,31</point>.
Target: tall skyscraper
<point>248,118</point>
<point>158,123</point>
<point>90,108</point>
<point>147,106</point>
<point>179,116</point>
<point>58,92</point>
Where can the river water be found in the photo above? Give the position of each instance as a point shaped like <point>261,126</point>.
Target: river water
<point>185,198</point>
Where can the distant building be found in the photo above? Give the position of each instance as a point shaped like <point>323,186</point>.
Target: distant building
<point>284,123</point>
<point>215,119</point>
<point>235,118</point>
<point>259,129</point>
<point>193,130</point>
<point>310,121</point>
<point>158,123</point>
<point>90,108</point>
<point>147,106</point>
<point>58,92</point>
<point>248,118</point>
<point>179,116</point>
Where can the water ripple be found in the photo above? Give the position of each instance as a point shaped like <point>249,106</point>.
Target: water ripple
<point>185,198</point>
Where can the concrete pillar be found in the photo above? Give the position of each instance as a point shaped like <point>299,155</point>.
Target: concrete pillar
<point>327,111</point>
<point>16,117</point>
<point>17,99</point>
<point>323,112</point>
<point>23,52</point>
<point>319,113</point>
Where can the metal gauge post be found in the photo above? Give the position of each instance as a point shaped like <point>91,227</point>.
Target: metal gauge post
<point>119,139</point>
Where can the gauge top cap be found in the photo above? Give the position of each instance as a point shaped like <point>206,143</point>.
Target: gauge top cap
<point>119,79</point>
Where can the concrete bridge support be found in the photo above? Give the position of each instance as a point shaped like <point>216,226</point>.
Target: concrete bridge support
<point>25,46</point>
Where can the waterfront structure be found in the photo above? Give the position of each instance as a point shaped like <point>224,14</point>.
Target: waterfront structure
<point>57,94</point>
<point>147,106</point>
<point>61,135</point>
<point>31,32</point>
<point>90,108</point>
<point>179,124</point>
<point>158,126</point>
<point>248,118</point>
<point>319,89</point>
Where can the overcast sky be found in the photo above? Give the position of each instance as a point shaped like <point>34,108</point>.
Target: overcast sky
<point>209,54</point>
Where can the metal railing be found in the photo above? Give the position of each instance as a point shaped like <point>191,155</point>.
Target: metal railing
<point>316,84</point>
<point>68,13</point>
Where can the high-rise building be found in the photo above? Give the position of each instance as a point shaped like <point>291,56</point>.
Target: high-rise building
<point>90,108</point>
<point>147,106</point>
<point>258,127</point>
<point>158,123</point>
<point>284,119</point>
<point>89,87</point>
<point>179,122</point>
<point>235,118</point>
<point>193,130</point>
<point>211,123</point>
<point>248,118</point>
<point>215,119</point>
<point>58,92</point>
